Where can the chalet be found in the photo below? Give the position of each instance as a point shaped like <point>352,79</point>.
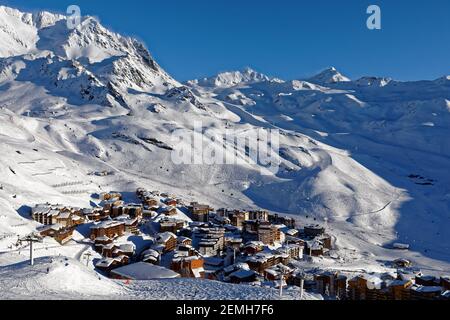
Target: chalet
<point>151,256</point>
<point>260,215</point>
<point>171,202</point>
<point>105,196</point>
<point>108,264</point>
<point>209,247</point>
<point>68,219</point>
<point>125,249</point>
<point>133,210</point>
<point>293,250</point>
<point>149,214</point>
<point>233,243</point>
<point>107,207</point>
<point>131,224</point>
<point>93,214</point>
<point>357,288</point>
<point>238,219</point>
<point>268,234</point>
<point>313,231</point>
<point>219,220</point>
<point>222,212</point>
<point>243,276</point>
<point>253,247</point>
<point>294,240</point>
<point>209,241</point>
<point>58,232</point>
<point>331,284</point>
<point>252,226</point>
<point>292,233</point>
<point>286,221</point>
<point>314,248</point>
<point>169,211</point>
<point>143,271</point>
<point>402,263</point>
<point>184,241</point>
<point>199,212</point>
<point>326,241</point>
<point>189,267</point>
<point>264,260</point>
<point>214,263</point>
<point>140,192</point>
<point>299,277</point>
<point>167,240</point>
<point>171,225</point>
<point>276,272</point>
<point>46,214</point>
<point>151,202</point>
<point>399,289</point>
<point>100,242</point>
<point>109,228</point>
<point>108,249</point>
<point>374,288</point>
<point>117,210</point>
<point>427,281</point>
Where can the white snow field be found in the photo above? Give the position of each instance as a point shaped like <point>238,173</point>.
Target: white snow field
<point>371,155</point>
<point>64,278</point>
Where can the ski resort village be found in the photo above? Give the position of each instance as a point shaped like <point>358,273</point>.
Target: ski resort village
<point>161,237</point>
<point>337,188</point>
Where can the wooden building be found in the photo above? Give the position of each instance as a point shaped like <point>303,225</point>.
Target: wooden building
<point>200,212</point>
<point>167,240</point>
<point>110,228</point>
<point>108,264</point>
<point>189,267</point>
<point>268,234</point>
<point>171,225</point>
<point>58,232</point>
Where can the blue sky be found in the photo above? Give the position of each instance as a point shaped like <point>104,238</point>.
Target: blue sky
<point>284,38</point>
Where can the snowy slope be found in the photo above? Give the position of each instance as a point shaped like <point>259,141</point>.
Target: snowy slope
<point>370,155</point>
<point>49,279</point>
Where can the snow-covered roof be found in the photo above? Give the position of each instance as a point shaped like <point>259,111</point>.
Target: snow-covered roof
<point>107,224</point>
<point>54,227</point>
<point>150,252</point>
<point>242,274</point>
<point>164,237</point>
<point>183,239</point>
<point>127,247</point>
<point>105,263</point>
<point>292,232</point>
<point>425,289</point>
<point>144,271</point>
<point>65,215</point>
<point>53,213</point>
<point>214,261</point>
<point>102,239</point>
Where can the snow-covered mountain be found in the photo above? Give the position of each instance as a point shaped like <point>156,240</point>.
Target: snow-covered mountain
<point>329,76</point>
<point>230,79</point>
<point>370,155</point>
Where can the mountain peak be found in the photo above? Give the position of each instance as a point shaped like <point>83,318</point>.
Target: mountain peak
<point>232,78</point>
<point>329,76</point>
